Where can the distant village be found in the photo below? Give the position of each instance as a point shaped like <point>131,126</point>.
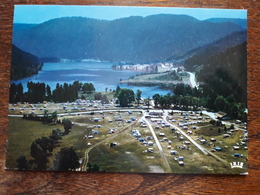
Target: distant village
<point>149,68</point>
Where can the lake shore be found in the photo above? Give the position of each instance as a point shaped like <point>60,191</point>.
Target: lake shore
<point>100,74</point>
<point>150,80</point>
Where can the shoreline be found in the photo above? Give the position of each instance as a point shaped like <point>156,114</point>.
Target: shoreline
<point>154,82</point>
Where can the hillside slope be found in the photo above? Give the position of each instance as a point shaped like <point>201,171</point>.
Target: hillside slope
<point>23,64</point>
<point>133,39</point>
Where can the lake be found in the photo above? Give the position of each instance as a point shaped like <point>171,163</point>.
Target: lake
<point>99,73</point>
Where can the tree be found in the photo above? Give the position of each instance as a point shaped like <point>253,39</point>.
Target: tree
<point>36,92</point>
<point>117,91</point>
<point>88,88</point>
<point>231,99</point>
<point>19,93</point>
<point>138,96</point>
<point>179,89</point>
<point>220,103</point>
<point>98,96</point>
<point>22,163</point>
<point>46,118</point>
<point>45,144</point>
<point>57,93</point>
<point>67,92</point>
<point>67,124</point>
<point>148,102</point>
<point>92,88</point>
<point>85,87</point>
<point>104,99</point>
<point>54,116</point>
<point>56,134</point>
<point>166,100</point>
<point>66,160</point>
<point>125,97</point>
<point>12,93</point>
<point>39,151</point>
<point>48,92</point>
<point>156,98</point>
<point>94,168</point>
<point>123,100</point>
<point>77,85</point>
<point>16,93</point>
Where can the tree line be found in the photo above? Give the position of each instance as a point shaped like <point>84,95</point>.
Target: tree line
<point>223,73</point>
<point>39,92</point>
<point>187,98</point>
<point>184,96</point>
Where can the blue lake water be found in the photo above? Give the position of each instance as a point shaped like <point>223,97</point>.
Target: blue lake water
<point>99,73</point>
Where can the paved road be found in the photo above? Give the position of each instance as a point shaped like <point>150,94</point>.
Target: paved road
<point>187,136</point>
<point>192,80</point>
<point>166,163</point>
<point>83,112</point>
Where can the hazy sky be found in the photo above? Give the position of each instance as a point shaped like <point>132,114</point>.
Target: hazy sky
<point>41,13</point>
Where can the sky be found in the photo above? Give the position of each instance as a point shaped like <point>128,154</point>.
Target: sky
<point>36,14</point>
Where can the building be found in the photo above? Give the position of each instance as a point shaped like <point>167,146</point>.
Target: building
<point>222,116</point>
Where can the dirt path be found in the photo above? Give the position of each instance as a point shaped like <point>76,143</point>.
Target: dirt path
<point>86,156</point>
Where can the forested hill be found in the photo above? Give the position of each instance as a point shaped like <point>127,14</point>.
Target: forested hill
<point>241,22</point>
<point>202,55</point>
<point>224,73</point>
<point>23,64</point>
<point>22,26</point>
<point>134,39</point>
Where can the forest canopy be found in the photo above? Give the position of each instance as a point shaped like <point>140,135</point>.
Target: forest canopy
<point>23,64</point>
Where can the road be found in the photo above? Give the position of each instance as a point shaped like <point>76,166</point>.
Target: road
<point>166,163</point>
<point>192,80</point>
<point>187,136</point>
<point>85,159</point>
<point>205,151</point>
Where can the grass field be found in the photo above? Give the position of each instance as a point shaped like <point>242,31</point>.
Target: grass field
<point>130,155</point>
<point>21,134</point>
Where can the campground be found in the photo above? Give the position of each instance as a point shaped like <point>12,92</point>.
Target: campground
<point>105,135</point>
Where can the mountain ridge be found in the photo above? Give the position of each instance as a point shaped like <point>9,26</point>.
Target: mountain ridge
<point>238,21</point>
<point>135,39</point>
<point>199,55</point>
